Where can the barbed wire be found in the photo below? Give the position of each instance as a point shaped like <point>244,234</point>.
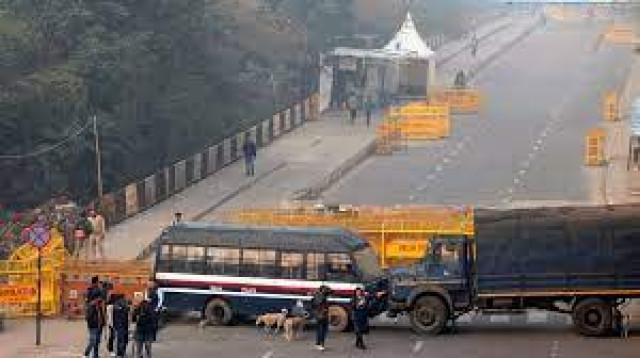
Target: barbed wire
<point>49,148</point>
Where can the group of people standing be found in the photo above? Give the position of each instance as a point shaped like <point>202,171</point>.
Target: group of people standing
<point>89,234</point>
<point>361,304</point>
<point>111,310</point>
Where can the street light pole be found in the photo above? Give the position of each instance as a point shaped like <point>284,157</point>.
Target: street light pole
<point>96,138</point>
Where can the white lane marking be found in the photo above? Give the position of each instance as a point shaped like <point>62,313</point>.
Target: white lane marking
<point>522,172</point>
<point>411,198</point>
<point>499,318</point>
<point>460,145</point>
<point>418,346</point>
<point>510,190</point>
<point>269,354</point>
<point>536,148</point>
<point>438,168</point>
<point>421,188</point>
<point>445,160</point>
<point>539,141</point>
<point>431,176</point>
<point>516,180</point>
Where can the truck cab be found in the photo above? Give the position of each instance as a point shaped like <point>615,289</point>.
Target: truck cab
<point>438,287</point>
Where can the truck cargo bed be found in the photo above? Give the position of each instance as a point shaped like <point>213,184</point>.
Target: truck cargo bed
<point>558,251</point>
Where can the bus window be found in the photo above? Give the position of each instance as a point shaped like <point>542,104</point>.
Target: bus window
<point>291,264</point>
<point>258,263</point>
<point>164,261</point>
<point>339,267</point>
<point>223,261</point>
<point>187,259</point>
<point>315,266</point>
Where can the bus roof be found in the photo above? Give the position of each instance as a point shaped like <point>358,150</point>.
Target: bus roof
<point>281,238</point>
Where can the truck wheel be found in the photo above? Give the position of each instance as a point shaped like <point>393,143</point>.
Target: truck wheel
<point>429,315</point>
<point>592,317</point>
<point>338,319</point>
<point>218,312</point>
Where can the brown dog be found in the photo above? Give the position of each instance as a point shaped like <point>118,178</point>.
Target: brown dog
<point>293,327</point>
<point>272,321</point>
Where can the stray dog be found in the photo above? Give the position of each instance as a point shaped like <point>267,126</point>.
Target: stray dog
<point>272,321</point>
<point>293,327</point>
<point>626,325</point>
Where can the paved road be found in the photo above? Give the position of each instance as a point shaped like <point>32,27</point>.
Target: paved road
<point>541,98</point>
<point>498,337</point>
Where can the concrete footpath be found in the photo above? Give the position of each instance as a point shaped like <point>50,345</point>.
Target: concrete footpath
<point>302,163</point>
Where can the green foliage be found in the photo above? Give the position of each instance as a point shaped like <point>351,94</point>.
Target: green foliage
<point>164,77</point>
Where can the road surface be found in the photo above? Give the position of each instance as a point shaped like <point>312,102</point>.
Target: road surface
<point>533,335</point>
<point>526,145</point>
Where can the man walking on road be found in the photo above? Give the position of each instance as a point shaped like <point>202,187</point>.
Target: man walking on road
<point>250,151</point>
<point>98,229</point>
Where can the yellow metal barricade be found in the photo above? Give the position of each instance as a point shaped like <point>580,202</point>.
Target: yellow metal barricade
<point>399,235</point>
<point>620,35</point>
<point>421,121</point>
<point>460,100</point>
<point>18,288</point>
<point>594,147</point>
<point>19,278</point>
<point>611,108</point>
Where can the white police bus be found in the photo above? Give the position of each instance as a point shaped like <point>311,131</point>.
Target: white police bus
<point>231,273</point>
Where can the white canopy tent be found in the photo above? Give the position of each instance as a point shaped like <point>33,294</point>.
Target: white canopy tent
<point>405,66</point>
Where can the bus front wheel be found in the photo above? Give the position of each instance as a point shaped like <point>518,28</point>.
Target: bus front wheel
<point>338,319</point>
<point>218,312</point>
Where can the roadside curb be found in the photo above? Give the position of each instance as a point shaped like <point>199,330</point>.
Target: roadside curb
<point>315,191</point>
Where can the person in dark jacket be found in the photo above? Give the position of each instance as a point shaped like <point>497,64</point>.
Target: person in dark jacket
<point>120,322</point>
<point>320,306</point>
<point>94,290</point>
<point>360,312</point>
<point>154,301</point>
<point>95,317</point>
<point>250,151</point>
<point>143,318</point>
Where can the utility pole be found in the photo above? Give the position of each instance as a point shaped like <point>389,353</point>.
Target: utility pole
<point>96,138</point>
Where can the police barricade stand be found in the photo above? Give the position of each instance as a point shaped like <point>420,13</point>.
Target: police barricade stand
<point>620,35</point>
<point>460,100</point>
<point>419,121</point>
<point>128,278</point>
<point>594,147</point>
<point>611,108</point>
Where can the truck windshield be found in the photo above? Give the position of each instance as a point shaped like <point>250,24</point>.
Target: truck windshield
<point>367,262</point>
<point>444,260</point>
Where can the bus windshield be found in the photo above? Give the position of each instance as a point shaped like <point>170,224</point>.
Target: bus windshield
<point>367,262</point>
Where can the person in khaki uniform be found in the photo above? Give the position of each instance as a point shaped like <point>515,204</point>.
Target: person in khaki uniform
<point>97,233</point>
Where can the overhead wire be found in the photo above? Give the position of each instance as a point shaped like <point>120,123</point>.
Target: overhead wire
<point>49,148</point>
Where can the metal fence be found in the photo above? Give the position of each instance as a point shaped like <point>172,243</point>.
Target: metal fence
<point>138,196</point>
